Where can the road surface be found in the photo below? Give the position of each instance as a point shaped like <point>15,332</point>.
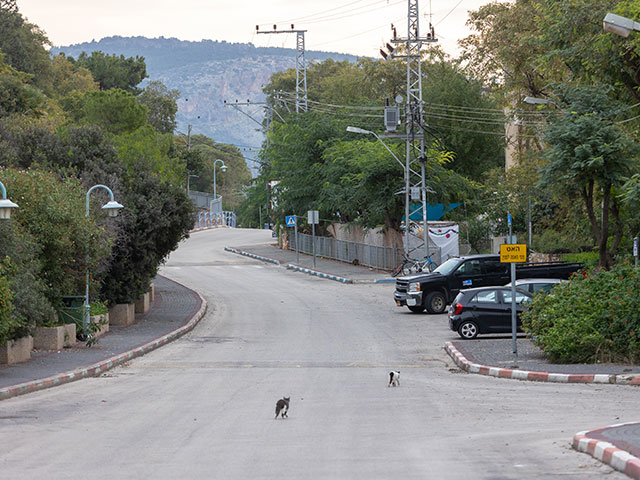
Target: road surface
<point>203,406</point>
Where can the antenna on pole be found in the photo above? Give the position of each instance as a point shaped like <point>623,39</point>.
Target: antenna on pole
<point>301,66</point>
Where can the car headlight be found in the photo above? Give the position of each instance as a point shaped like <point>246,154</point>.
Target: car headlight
<point>414,287</point>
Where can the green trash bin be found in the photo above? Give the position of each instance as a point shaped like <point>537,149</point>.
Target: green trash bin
<point>72,311</point>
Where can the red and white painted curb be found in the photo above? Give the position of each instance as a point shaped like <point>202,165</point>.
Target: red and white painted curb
<point>516,374</point>
<point>608,453</point>
<point>101,367</point>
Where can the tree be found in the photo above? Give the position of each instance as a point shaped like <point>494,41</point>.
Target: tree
<point>157,216</point>
<point>230,183</point>
<point>16,95</point>
<point>113,71</point>
<point>23,44</point>
<point>504,47</point>
<point>161,104</point>
<point>589,157</point>
<point>117,111</point>
<point>69,78</point>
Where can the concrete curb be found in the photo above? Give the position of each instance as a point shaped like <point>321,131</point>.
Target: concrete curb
<point>103,366</point>
<point>252,255</point>
<point>515,374</point>
<point>316,273</point>
<point>309,271</point>
<point>608,453</point>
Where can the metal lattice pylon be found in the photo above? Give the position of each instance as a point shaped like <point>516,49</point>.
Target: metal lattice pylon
<point>414,123</point>
<point>301,67</point>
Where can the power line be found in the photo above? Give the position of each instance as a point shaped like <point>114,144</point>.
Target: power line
<point>314,14</point>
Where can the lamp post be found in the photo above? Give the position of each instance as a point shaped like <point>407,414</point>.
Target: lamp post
<point>5,204</point>
<point>112,208</point>
<point>223,168</point>
<point>619,25</point>
<point>406,186</point>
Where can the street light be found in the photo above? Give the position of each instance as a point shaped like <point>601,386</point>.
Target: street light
<point>539,101</point>
<point>619,25</point>
<point>111,208</point>
<point>223,168</point>
<point>5,204</point>
<point>369,132</point>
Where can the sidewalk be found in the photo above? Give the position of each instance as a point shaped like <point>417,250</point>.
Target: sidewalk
<point>616,445</point>
<point>340,271</point>
<point>175,311</point>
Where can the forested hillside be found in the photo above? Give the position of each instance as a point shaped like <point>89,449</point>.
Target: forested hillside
<point>206,73</point>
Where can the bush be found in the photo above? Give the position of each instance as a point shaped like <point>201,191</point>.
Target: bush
<point>156,217</point>
<point>593,318</point>
<point>590,260</point>
<point>52,213</point>
<point>8,322</point>
<point>551,241</point>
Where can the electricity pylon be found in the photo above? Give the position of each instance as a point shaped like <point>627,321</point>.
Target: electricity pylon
<point>414,120</point>
<point>301,66</point>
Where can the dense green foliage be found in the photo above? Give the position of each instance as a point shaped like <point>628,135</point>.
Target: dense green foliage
<point>59,135</point>
<point>593,318</point>
<point>355,178</point>
<point>113,71</point>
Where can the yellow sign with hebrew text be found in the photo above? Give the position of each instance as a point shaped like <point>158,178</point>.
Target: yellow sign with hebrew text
<point>513,253</point>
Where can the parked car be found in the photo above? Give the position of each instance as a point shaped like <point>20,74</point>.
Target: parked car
<point>434,291</point>
<point>484,310</point>
<point>535,285</point>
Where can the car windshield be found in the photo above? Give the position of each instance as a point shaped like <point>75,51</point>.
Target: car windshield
<point>449,266</point>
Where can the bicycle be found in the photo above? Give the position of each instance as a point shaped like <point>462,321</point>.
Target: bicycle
<point>427,264</point>
<point>409,266</point>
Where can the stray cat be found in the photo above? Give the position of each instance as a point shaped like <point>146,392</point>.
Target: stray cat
<point>394,379</point>
<point>282,407</point>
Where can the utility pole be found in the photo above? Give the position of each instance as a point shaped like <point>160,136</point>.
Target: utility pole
<point>189,138</point>
<point>414,120</point>
<point>301,66</point>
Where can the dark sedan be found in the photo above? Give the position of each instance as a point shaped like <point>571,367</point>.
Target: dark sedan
<point>485,310</point>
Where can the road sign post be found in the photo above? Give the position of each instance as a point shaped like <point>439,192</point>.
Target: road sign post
<point>513,253</point>
<point>313,219</point>
<point>291,221</point>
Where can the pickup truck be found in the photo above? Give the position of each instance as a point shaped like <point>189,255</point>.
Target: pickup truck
<point>434,291</point>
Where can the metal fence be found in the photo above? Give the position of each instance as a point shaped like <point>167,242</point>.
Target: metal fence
<point>206,219</point>
<point>384,258</point>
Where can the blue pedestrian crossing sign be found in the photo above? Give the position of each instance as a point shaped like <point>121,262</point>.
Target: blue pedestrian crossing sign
<point>291,220</point>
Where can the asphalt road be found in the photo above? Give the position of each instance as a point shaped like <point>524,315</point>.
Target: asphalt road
<point>203,406</point>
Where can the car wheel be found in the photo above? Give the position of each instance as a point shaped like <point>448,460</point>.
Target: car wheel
<point>416,308</point>
<point>468,330</point>
<point>435,302</point>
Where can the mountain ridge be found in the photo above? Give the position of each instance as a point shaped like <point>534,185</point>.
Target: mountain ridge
<point>208,72</point>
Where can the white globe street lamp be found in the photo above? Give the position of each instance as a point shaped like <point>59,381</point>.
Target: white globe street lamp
<point>112,207</point>
<point>6,205</point>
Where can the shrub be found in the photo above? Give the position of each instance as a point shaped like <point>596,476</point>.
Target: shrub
<point>8,322</point>
<point>590,260</point>
<point>52,213</point>
<point>551,241</point>
<point>593,318</point>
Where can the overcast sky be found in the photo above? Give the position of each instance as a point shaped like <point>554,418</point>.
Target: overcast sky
<point>358,27</point>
